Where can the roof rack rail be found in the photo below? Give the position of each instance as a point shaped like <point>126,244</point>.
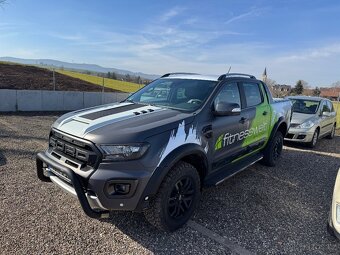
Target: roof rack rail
<point>169,74</point>
<point>223,76</point>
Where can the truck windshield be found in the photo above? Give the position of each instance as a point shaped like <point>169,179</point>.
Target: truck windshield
<point>305,106</point>
<point>181,94</point>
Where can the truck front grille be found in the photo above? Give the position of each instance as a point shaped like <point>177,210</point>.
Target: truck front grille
<point>84,153</point>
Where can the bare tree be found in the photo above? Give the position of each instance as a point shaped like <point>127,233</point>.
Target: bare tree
<point>270,82</point>
<point>336,84</point>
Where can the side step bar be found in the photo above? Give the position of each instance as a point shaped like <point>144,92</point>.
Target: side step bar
<point>231,169</point>
<point>43,158</point>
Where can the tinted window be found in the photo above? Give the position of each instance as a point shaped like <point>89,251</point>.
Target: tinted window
<point>252,93</point>
<point>229,94</point>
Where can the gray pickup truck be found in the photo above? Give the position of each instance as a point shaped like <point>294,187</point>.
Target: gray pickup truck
<point>155,151</point>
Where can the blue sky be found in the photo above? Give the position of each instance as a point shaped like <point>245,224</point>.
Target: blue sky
<point>294,39</point>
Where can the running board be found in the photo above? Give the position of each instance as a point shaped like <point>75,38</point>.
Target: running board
<point>231,169</point>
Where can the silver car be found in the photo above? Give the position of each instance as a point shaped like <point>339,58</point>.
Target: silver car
<point>313,118</point>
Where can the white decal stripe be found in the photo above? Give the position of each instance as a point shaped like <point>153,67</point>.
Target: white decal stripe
<point>95,109</point>
<point>110,119</point>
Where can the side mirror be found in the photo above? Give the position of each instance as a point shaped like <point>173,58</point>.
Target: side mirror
<point>226,109</point>
<point>326,114</point>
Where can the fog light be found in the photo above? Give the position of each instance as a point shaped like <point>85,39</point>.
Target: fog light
<point>338,213</point>
<point>122,188</point>
<point>118,189</point>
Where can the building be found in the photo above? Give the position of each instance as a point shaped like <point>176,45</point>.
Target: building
<point>264,75</point>
<point>331,93</point>
<point>281,90</point>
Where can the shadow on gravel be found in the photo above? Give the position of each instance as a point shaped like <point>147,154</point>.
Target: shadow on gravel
<point>323,145</point>
<point>23,137</point>
<point>3,160</point>
<point>38,114</point>
<point>283,209</point>
<point>136,227</point>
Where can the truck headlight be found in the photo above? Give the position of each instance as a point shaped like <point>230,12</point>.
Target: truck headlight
<point>124,152</point>
<point>307,124</point>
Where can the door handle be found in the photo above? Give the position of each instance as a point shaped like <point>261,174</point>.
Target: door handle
<point>243,120</point>
<point>265,113</point>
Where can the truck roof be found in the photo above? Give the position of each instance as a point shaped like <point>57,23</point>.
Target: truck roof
<point>192,76</point>
<point>195,76</point>
<point>307,98</point>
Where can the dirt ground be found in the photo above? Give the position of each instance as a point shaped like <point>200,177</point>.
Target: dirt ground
<point>14,76</point>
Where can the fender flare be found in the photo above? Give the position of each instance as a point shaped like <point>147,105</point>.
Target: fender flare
<point>280,121</point>
<point>165,166</point>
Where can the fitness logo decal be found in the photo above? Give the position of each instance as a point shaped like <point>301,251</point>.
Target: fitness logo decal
<point>228,139</point>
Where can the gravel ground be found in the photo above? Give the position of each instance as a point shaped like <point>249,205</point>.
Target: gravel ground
<point>281,210</point>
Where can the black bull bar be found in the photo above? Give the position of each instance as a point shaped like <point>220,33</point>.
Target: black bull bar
<point>43,158</point>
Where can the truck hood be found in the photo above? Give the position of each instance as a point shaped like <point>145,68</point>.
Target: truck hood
<point>299,118</point>
<point>120,123</point>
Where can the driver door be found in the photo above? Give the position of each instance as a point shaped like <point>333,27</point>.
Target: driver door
<point>227,145</point>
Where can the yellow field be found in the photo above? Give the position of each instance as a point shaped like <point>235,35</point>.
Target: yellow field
<point>337,108</point>
<point>108,83</point>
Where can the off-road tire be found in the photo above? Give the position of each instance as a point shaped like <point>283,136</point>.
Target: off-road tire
<point>158,213</point>
<point>273,150</point>
<point>314,141</point>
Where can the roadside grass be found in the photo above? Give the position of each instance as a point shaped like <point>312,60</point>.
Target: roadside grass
<point>337,108</point>
<point>108,83</point>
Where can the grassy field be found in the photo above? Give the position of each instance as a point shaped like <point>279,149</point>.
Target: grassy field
<point>337,108</point>
<point>109,83</point>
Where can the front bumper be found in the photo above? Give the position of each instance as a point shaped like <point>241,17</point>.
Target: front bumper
<point>301,135</point>
<point>91,191</point>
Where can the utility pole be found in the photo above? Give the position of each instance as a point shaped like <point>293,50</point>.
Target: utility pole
<point>53,79</point>
<point>103,85</point>
<point>103,91</point>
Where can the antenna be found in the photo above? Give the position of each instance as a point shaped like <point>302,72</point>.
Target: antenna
<point>229,70</point>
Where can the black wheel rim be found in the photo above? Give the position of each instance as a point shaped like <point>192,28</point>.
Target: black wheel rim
<point>181,197</point>
<point>277,149</point>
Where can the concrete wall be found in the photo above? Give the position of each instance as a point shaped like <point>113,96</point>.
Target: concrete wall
<point>45,100</point>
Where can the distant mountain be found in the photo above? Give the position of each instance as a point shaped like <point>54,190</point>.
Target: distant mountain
<point>77,66</point>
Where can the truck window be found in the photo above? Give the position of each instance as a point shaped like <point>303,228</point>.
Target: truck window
<point>252,94</point>
<point>229,94</point>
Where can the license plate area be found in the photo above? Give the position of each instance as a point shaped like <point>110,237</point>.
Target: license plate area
<point>60,174</point>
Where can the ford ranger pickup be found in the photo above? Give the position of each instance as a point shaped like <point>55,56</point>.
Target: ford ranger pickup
<point>156,150</point>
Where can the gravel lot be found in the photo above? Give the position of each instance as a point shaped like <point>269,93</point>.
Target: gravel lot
<point>262,210</point>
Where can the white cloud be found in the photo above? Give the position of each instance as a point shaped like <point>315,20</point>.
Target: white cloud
<point>253,12</point>
<point>171,13</point>
<point>67,37</point>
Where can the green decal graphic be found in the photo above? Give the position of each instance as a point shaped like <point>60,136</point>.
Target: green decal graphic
<point>259,124</point>
<point>219,141</point>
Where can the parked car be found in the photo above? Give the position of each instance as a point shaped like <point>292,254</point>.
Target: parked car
<point>333,225</point>
<point>154,153</point>
<point>313,118</point>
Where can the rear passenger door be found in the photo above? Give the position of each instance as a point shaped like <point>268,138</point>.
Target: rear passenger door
<point>257,112</point>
